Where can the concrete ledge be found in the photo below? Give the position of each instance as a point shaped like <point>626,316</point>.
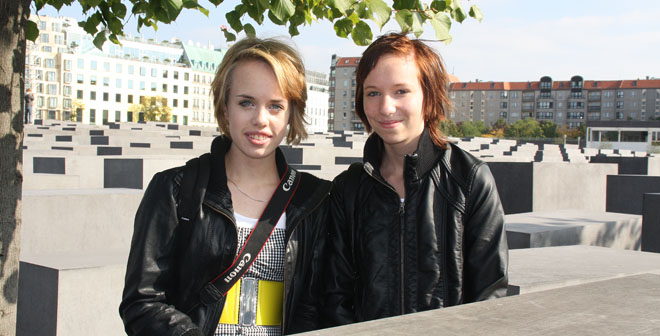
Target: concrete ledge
<point>627,306</point>
<point>573,227</point>
<point>651,223</point>
<point>533,270</point>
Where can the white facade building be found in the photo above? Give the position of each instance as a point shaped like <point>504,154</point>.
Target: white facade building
<point>68,74</point>
<point>316,110</point>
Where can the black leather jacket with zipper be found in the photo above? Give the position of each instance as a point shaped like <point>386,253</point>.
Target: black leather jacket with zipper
<point>444,245</point>
<point>167,273</point>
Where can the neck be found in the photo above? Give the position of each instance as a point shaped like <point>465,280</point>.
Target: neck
<point>394,155</point>
<point>246,170</point>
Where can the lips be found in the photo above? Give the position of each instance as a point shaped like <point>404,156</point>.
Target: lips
<point>389,123</point>
<point>258,138</point>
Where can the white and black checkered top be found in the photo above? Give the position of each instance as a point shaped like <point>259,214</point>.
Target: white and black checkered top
<point>269,265</point>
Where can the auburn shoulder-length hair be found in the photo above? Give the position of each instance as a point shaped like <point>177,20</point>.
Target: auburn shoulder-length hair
<point>289,71</point>
<point>433,79</point>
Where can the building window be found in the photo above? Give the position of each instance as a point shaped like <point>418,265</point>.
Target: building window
<point>130,84</point>
<point>576,94</point>
<point>503,114</point>
<point>504,105</point>
<point>118,98</point>
<point>575,105</point>
<point>154,72</point>
<point>143,71</point>
<point>619,94</point>
<point>92,95</point>
<point>105,96</point>
<point>52,103</point>
<point>186,76</point>
<point>153,86</point>
<point>81,63</point>
<point>575,115</point>
<point>175,89</point>
<point>619,105</point>
<point>164,73</point>
<point>92,65</point>
<point>175,102</point>
<point>118,83</point>
<point>130,69</point>
<point>142,86</point>
<point>92,80</point>
<point>106,66</point>
<point>164,87</point>
<point>67,90</point>
<point>185,103</point>
<point>544,105</point>
<point>92,116</point>
<point>129,99</point>
<point>619,115</point>
<point>185,90</point>
<point>67,65</point>
<point>79,94</point>
<point>106,81</point>
<point>175,74</point>
<point>118,70</point>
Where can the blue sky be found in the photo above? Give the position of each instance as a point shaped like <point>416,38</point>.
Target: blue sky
<point>518,40</point>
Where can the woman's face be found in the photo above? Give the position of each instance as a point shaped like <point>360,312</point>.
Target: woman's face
<point>257,111</point>
<point>393,100</point>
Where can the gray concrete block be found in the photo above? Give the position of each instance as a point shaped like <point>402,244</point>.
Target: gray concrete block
<point>292,155</point>
<point>573,227</point>
<point>99,140</point>
<point>107,150</point>
<point>181,145</point>
<point>627,165</point>
<point>77,221</point>
<point>81,295</point>
<point>651,223</point>
<point>625,193</point>
<point>48,165</point>
<point>515,182</point>
<point>122,173</point>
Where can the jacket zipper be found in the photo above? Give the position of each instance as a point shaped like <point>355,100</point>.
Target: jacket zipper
<point>402,211</point>
<point>402,231</point>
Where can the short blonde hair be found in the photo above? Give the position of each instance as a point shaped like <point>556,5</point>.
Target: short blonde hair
<point>289,70</point>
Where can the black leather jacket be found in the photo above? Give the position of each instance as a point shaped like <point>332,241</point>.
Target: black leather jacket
<point>444,246</point>
<point>166,273</point>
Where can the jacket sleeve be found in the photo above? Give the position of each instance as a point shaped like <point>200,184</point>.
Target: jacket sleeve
<point>486,253</point>
<point>340,275</point>
<point>150,271</point>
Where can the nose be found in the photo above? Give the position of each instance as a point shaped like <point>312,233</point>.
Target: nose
<point>260,116</point>
<point>388,105</point>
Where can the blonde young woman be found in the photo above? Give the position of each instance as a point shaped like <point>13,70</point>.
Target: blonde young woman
<point>259,95</point>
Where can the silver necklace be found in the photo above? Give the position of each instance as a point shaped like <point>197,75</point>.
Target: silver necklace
<point>244,193</point>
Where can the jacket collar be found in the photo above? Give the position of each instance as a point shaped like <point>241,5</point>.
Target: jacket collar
<point>419,163</point>
<point>218,179</point>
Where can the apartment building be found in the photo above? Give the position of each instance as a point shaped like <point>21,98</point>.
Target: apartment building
<point>316,110</point>
<point>568,103</point>
<point>341,102</point>
<point>69,75</point>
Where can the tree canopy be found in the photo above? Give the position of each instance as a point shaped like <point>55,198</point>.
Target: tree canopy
<point>107,18</point>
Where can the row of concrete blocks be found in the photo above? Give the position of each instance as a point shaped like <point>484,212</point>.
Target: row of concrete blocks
<point>72,266</point>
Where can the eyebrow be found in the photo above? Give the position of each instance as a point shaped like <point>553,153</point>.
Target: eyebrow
<point>246,96</point>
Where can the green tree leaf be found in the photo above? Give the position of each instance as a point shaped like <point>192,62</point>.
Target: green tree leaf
<point>457,12</point>
<point>341,5</point>
<point>229,36</point>
<point>119,9</point>
<point>361,34</point>
<point>343,27</point>
<point>417,22</point>
<point>404,4</point>
<point>99,40</point>
<point>441,24</point>
<point>172,7</point>
<point>475,12</point>
<point>382,11</point>
<point>439,5</point>
<point>282,9</point>
<point>234,20</point>
<point>249,30</point>
<point>31,30</point>
<point>404,19</point>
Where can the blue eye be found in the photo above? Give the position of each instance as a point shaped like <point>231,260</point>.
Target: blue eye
<point>373,94</point>
<point>245,103</point>
<point>276,107</point>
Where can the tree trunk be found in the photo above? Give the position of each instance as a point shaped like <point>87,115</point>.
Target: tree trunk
<point>13,15</point>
